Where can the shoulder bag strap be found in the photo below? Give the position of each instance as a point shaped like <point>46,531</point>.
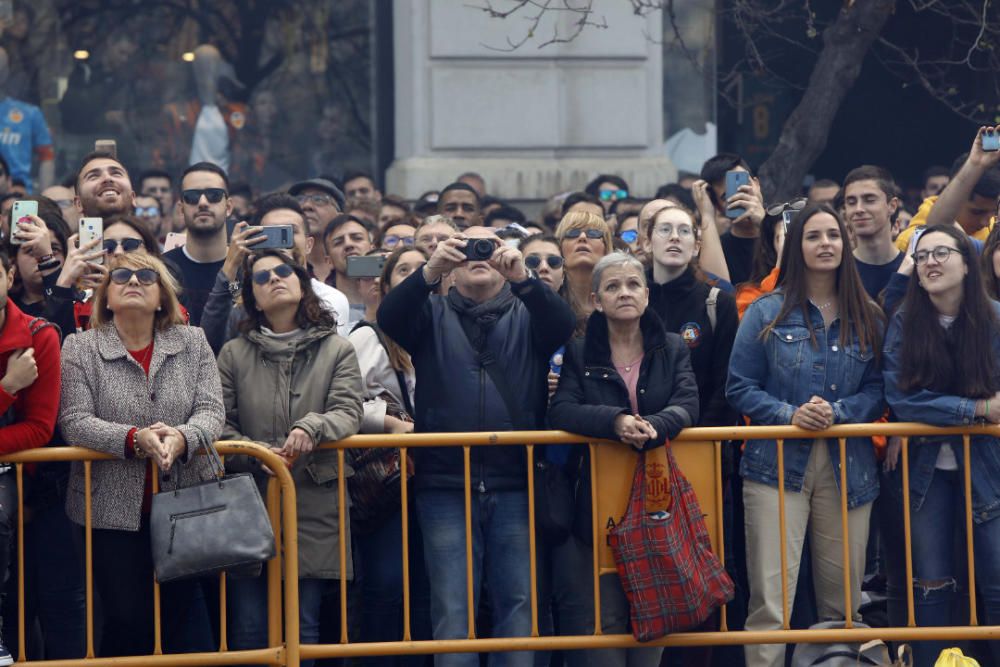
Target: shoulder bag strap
<point>400,375</point>
<point>712,306</point>
<point>488,363</point>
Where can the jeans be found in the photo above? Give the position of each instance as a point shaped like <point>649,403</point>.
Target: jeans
<point>574,602</point>
<point>8,529</point>
<point>938,566</point>
<point>54,582</point>
<point>382,588</point>
<point>246,602</point>
<point>500,550</point>
<point>123,577</point>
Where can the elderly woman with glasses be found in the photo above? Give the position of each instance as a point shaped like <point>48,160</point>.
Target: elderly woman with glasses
<point>291,383</point>
<point>141,386</point>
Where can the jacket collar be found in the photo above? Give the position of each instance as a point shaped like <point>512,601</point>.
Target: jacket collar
<point>597,347</point>
<point>166,342</point>
<point>15,333</point>
<point>682,284</point>
<point>276,346</point>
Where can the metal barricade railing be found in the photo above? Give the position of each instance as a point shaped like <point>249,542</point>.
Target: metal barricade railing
<point>713,438</point>
<point>283,630</point>
<point>283,602</point>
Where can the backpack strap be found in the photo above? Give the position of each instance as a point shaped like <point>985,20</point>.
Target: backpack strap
<point>400,376</point>
<point>37,324</point>
<point>487,362</point>
<point>711,305</point>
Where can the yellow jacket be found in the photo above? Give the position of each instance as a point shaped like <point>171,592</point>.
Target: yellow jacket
<point>920,219</point>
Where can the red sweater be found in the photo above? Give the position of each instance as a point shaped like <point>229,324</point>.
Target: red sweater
<point>36,407</point>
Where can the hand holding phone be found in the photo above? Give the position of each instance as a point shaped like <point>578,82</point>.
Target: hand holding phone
<point>735,179</point>
<point>991,139</point>
<point>90,229</point>
<point>22,210</point>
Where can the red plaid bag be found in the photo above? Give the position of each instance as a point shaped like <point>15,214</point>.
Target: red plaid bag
<point>671,578</point>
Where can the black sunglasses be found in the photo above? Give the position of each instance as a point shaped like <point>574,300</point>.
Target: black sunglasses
<point>793,205</point>
<point>128,245</point>
<point>281,270</point>
<point>590,231</point>
<point>144,276</point>
<point>535,261</point>
<point>213,195</point>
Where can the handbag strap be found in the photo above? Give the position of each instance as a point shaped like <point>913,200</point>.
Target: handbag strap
<point>400,376</point>
<point>488,363</point>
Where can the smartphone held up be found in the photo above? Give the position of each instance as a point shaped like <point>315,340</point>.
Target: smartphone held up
<point>22,210</point>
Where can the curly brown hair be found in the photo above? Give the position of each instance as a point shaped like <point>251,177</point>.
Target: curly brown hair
<point>310,313</point>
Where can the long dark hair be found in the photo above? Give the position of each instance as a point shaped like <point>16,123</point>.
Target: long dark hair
<point>310,313</point>
<point>857,311</point>
<point>990,279</point>
<point>764,253</point>
<point>959,361</point>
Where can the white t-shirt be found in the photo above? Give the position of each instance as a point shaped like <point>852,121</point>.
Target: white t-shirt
<point>336,302</point>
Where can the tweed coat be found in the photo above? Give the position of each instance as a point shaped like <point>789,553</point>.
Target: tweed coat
<point>105,393</point>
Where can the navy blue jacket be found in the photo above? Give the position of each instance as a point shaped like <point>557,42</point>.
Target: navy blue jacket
<point>454,391</point>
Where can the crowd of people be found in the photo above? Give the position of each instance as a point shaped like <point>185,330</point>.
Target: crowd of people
<point>611,316</point>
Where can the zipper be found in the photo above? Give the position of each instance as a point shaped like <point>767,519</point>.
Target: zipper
<point>482,420</point>
<point>189,515</point>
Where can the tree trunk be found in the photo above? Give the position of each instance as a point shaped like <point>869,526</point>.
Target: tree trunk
<point>845,44</point>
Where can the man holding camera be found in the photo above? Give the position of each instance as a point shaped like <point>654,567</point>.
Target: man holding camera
<point>481,355</point>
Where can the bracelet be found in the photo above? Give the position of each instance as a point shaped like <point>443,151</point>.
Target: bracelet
<point>45,258</point>
<point>50,263</point>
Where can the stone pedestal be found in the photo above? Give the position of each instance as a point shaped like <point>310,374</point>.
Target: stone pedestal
<point>533,121</point>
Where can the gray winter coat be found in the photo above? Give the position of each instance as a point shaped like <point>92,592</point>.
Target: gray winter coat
<point>105,393</point>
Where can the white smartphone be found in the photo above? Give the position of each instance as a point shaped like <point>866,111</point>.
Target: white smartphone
<point>90,229</point>
<point>22,208</point>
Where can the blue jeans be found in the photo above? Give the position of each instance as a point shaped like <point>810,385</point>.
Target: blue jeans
<point>246,602</point>
<point>382,588</point>
<point>939,559</point>
<point>500,542</point>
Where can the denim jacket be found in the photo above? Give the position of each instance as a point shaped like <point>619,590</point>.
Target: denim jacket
<point>940,409</point>
<point>770,378</point>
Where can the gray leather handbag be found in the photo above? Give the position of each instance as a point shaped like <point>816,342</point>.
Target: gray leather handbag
<point>212,526</point>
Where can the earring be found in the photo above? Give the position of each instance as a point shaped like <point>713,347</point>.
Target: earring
<point>159,308</point>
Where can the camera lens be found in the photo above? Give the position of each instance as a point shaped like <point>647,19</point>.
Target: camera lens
<point>482,249</point>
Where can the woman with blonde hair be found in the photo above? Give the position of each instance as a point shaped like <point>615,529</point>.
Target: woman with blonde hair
<point>584,238</point>
<point>142,386</point>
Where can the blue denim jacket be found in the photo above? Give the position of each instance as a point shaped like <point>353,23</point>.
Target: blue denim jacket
<point>770,378</point>
<point>938,409</point>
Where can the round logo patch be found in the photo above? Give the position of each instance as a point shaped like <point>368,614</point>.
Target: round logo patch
<point>238,120</point>
<point>15,116</point>
<point>691,333</point>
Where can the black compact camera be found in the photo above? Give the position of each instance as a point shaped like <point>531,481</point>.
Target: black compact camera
<point>479,250</point>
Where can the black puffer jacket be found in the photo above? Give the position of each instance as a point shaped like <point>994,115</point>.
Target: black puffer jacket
<point>681,305</point>
<point>454,391</point>
<point>592,394</point>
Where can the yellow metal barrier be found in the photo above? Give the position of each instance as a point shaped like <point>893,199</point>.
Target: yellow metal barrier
<point>693,447</point>
<point>281,508</point>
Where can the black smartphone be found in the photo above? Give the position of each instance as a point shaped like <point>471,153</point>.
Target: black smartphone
<point>278,237</point>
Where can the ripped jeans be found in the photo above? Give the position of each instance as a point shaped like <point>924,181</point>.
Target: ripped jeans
<point>939,561</point>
